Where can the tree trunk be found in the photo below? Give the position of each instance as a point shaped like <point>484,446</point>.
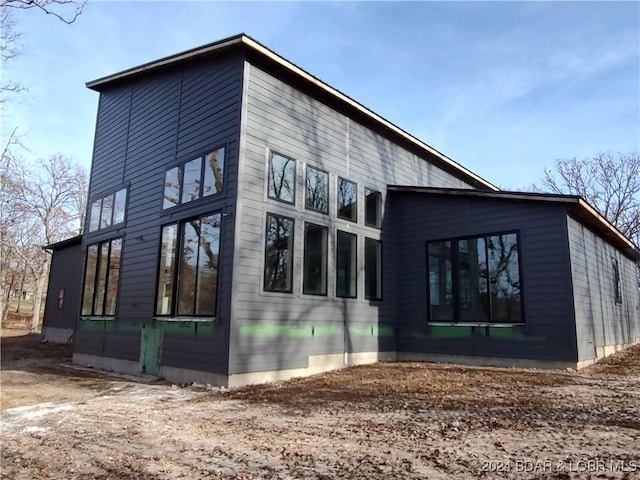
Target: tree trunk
<point>37,298</point>
<point>20,294</point>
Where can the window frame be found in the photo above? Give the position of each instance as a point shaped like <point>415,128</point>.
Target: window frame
<point>355,205</point>
<point>306,189</point>
<point>378,199</point>
<point>355,262</point>
<point>291,254</point>
<point>176,268</point>
<point>273,153</point>
<point>181,167</point>
<point>379,271</point>
<point>96,279</point>
<point>617,284</point>
<point>455,269</point>
<point>324,260</point>
<point>99,203</point>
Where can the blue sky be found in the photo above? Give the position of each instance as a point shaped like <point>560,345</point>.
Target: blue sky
<point>504,88</point>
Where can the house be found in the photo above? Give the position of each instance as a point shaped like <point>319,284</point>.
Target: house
<point>249,223</point>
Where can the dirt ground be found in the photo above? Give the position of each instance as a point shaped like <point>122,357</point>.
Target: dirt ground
<point>403,420</point>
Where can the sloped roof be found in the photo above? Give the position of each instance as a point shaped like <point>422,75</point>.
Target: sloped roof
<point>577,207</point>
<point>69,242</point>
<point>292,71</point>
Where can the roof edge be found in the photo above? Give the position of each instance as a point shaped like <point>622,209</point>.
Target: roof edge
<point>68,242</point>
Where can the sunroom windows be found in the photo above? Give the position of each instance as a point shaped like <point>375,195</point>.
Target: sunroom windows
<point>475,280</point>
<point>188,270</point>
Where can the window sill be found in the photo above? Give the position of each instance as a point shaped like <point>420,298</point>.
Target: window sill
<point>185,319</point>
<point>474,324</point>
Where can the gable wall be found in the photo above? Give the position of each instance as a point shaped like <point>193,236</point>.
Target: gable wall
<point>600,321</point>
<point>144,127</point>
<point>272,331</point>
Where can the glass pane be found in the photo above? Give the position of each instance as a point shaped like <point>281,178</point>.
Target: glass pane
<point>213,172</point>
<point>166,271</point>
<point>208,265</point>
<point>90,279</point>
<point>317,196</point>
<point>504,278</point>
<point>278,254</point>
<point>113,277</point>
<point>440,282</point>
<point>315,260</point>
<point>346,264</point>
<point>98,304</point>
<point>282,178</point>
<point>172,180</point>
<point>188,267</point>
<point>372,208</point>
<point>372,269</point>
<point>472,273</point>
<point>107,209</point>
<point>347,200</point>
<point>119,206</point>
<point>94,219</point>
<point>191,184</point>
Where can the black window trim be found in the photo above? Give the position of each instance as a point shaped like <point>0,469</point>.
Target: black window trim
<point>172,315</point>
<point>455,283</point>
<point>355,296</point>
<point>295,177</point>
<point>354,220</point>
<point>181,164</point>
<point>99,243</point>
<point>367,224</point>
<point>304,259</point>
<point>306,190</point>
<point>113,226</point>
<point>370,298</point>
<point>291,254</point>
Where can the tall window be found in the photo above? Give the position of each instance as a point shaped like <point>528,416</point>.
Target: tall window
<point>108,210</point>
<point>282,178</point>
<point>194,179</point>
<point>346,265</point>
<point>347,200</point>
<point>372,269</point>
<point>317,190</point>
<point>475,280</point>
<point>372,208</point>
<point>102,273</point>
<point>278,258</point>
<point>188,270</point>
<point>616,280</point>
<point>315,259</point>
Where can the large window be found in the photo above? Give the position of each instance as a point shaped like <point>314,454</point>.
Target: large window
<point>315,259</point>
<point>188,270</point>
<point>475,280</point>
<point>317,191</point>
<point>282,178</point>
<point>108,210</point>
<point>346,265</point>
<point>102,273</point>
<point>372,269</point>
<point>347,200</point>
<point>197,178</point>
<point>278,257</point>
<point>372,208</point>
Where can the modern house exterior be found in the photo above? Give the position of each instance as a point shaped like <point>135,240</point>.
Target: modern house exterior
<point>248,223</point>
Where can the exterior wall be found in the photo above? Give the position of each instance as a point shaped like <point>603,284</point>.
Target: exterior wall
<point>602,325</point>
<point>59,322</point>
<point>548,332</point>
<point>276,331</point>
<point>145,126</point>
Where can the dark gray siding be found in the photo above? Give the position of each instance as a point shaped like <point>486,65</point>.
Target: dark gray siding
<point>64,273</point>
<point>273,331</point>
<point>548,332</point>
<point>144,127</point>
<point>600,321</point>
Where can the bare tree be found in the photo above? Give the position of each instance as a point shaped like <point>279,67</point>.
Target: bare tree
<point>42,208</point>
<point>611,183</point>
<point>64,10</point>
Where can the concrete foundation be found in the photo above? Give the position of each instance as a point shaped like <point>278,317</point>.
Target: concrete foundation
<point>57,335</point>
